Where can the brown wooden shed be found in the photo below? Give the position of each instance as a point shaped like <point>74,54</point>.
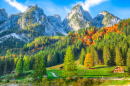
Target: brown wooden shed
<point>118,70</point>
<point>61,68</point>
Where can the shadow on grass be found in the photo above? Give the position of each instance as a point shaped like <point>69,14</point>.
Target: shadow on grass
<point>103,67</point>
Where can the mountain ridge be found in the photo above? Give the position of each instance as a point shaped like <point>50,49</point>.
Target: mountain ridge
<point>33,22</point>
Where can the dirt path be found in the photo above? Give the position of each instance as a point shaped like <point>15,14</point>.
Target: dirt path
<point>53,74</point>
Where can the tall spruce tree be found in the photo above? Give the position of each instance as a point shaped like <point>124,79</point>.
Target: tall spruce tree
<point>82,56</point>
<point>19,66</point>
<point>26,63</point>
<point>8,53</point>
<point>39,67</point>
<point>128,61</point>
<point>89,61</point>
<point>119,60</point>
<point>69,64</point>
<point>94,55</point>
<point>106,56</point>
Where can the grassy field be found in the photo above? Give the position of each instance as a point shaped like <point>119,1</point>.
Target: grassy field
<point>95,72</point>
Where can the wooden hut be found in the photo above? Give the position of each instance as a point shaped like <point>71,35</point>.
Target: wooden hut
<point>118,70</point>
<point>12,72</point>
<point>61,68</point>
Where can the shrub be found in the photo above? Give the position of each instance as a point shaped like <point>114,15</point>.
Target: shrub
<point>79,82</point>
<point>16,81</point>
<point>86,82</point>
<point>68,79</point>
<point>96,81</point>
<point>0,80</point>
<point>61,80</point>
<point>7,81</point>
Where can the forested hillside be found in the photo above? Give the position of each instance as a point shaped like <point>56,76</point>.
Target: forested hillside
<point>108,45</point>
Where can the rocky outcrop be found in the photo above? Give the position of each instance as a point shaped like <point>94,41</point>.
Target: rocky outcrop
<point>33,15</point>
<point>3,16</point>
<point>105,19</point>
<point>9,22</point>
<point>76,19</point>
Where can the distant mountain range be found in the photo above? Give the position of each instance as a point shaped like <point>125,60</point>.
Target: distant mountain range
<point>34,22</point>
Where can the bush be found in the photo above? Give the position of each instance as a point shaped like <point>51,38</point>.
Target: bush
<point>96,81</point>
<point>68,79</point>
<point>7,81</point>
<point>16,81</point>
<point>86,82</point>
<point>0,80</point>
<point>79,82</point>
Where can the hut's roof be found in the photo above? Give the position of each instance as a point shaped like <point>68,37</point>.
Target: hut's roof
<point>118,68</point>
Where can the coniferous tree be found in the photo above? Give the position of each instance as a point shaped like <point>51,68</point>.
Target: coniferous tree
<point>8,53</point>
<point>26,63</point>
<point>119,60</point>
<point>106,56</point>
<point>69,64</point>
<point>124,51</point>
<point>19,66</point>
<point>0,67</point>
<point>89,61</point>
<point>39,68</point>
<point>128,61</point>
<point>94,55</point>
<point>82,56</point>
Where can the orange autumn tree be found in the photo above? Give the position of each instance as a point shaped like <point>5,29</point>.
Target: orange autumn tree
<point>89,61</point>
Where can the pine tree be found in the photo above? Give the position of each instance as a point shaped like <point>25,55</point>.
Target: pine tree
<point>82,56</point>
<point>19,67</point>
<point>39,68</point>
<point>0,67</point>
<point>94,55</point>
<point>8,53</point>
<point>26,63</point>
<point>89,61</point>
<point>106,56</point>
<point>69,64</point>
<point>119,60</point>
<point>128,61</point>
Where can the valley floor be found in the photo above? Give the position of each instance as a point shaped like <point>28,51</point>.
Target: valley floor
<point>97,72</point>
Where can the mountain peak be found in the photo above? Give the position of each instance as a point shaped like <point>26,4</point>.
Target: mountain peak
<point>35,5</point>
<point>2,9</point>
<point>105,19</point>
<point>78,6</point>
<point>104,12</point>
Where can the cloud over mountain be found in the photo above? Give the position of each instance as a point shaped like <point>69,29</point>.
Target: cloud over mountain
<point>17,5</point>
<point>90,3</point>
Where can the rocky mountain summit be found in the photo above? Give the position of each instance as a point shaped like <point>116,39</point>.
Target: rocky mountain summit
<point>105,19</point>
<point>3,16</point>
<point>77,19</point>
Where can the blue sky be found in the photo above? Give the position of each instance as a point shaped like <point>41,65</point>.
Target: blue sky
<point>120,8</point>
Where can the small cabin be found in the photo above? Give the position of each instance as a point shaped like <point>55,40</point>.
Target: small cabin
<point>12,72</point>
<point>118,70</point>
<point>46,75</point>
<point>61,68</point>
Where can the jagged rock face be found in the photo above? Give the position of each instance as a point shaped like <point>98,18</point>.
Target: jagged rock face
<point>76,19</point>
<point>56,20</point>
<point>105,19</point>
<point>33,15</point>
<point>48,25</point>
<point>10,22</point>
<point>3,15</point>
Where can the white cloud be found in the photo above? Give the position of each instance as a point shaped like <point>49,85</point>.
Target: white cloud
<point>17,5</point>
<point>90,3</point>
<point>67,10</point>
